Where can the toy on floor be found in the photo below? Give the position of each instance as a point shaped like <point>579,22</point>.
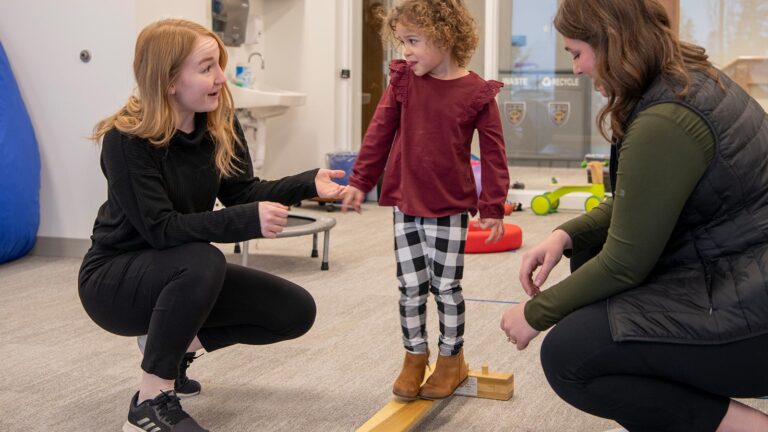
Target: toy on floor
<point>510,207</point>
<point>476,236</point>
<point>328,204</point>
<point>19,170</point>
<point>603,159</point>
<point>549,201</point>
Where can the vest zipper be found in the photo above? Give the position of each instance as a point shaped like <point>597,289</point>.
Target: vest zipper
<point>708,277</point>
<point>707,264</point>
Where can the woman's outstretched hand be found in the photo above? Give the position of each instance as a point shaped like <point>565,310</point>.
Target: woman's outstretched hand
<point>515,326</point>
<point>545,255</point>
<point>353,199</point>
<point>326,188</point>
<point>272,217</point>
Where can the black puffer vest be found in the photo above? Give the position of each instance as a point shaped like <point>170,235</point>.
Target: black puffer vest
<point>710,285</point>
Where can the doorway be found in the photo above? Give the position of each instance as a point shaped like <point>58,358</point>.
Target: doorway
<point>374,62</point>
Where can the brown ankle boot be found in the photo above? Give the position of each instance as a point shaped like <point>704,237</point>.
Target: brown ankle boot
<point>449,373</point>
<point>410,379</point>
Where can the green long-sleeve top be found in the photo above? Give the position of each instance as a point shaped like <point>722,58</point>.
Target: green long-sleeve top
<point>666,150</point>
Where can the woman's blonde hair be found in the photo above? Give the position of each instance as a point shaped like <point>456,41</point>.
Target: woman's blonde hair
<point>634,43</point>
<point>446,23</point>
<point>161,49</point>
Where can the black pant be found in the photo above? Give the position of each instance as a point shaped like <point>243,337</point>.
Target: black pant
<point>648,386</point>
<point>174,294</point>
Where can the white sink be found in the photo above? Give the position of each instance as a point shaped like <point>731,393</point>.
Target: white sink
<point>253,106</point>
<point>263,101</point>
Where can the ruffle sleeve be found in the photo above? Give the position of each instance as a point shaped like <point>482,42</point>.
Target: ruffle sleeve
<point>399,75</point>
<point>484,95</point>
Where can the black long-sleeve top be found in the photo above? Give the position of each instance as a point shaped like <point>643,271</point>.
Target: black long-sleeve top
<point>163,197</point>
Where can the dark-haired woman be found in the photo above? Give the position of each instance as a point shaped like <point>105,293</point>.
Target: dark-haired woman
<point>664,319</point>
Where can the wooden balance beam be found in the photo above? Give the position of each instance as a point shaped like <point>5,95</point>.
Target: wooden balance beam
<point>397,415</point>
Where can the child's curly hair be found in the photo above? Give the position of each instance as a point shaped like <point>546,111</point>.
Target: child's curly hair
<point>447,23</point>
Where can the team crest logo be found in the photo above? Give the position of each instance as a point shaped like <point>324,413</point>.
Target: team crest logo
<point>559,112</point>
<point>515,112</point>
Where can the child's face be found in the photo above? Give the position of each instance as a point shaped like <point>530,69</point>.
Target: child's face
<point>583,60</point>
<point>200,80</point>
<point>423,56</point>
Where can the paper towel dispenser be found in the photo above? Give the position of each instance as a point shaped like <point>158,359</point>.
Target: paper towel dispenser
<point>230,20</point>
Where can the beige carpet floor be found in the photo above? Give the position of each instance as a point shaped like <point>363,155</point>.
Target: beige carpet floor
<point>60,372</point>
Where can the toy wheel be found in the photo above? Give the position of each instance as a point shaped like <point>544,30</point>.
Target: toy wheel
<point>555,204</point>
<point>591,203</point>
<point>540,205</point>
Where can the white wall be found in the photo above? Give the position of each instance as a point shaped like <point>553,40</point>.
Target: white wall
<point>65,97</point>
<point>301,56</point>
<point>149,11</point>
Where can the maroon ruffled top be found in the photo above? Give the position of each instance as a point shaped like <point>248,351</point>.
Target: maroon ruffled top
<point>422,133</point>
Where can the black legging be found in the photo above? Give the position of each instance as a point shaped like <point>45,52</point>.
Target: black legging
<point>649,386</point>
<point>171,295</point>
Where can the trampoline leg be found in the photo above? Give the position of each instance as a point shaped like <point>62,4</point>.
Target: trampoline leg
<point>326,240</point>
<point>314,246</point>
<point>244,258</point>
<point>237,247</point>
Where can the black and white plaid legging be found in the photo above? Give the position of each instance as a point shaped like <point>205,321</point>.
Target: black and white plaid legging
<point>430,257</point>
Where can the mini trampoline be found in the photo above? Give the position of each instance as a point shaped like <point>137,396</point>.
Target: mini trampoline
<point>300,224</point>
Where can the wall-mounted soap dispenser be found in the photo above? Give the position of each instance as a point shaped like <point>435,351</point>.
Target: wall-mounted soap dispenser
<point>255,30</point>
<point>230,20</point>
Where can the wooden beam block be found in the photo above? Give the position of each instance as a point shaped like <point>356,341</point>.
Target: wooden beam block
<point>398,416</point>
<point>401,416</point>
<point>488,385</point>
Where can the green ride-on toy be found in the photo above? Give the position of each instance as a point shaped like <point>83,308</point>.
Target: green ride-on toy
<point>549,201</point>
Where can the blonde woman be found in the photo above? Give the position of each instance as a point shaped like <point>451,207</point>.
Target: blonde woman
<point>168,154</point>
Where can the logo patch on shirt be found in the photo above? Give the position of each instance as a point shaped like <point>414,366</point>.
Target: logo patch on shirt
<point>559,112</point>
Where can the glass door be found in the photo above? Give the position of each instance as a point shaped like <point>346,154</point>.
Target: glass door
<point>547,112</point>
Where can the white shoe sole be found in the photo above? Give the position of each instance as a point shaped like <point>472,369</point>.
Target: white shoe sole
<point>186,395</point>
<point>128,427</point>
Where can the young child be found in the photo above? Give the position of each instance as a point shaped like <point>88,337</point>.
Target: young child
<point>422,132</point>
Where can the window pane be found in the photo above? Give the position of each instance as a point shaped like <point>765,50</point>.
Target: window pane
<point>548,112</point>
<point>734,33</point>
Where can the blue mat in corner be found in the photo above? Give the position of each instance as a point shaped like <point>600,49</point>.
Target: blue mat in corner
<point>19,170</point>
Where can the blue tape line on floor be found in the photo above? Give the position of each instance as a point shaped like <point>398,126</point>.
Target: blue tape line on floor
<point>492,301</point>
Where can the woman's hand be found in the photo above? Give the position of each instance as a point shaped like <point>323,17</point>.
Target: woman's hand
<point>517,329</point>
<point>495,225</point>
<point>353,198</point>
<point>326,188</point>
<point>272,217</point>
<point>545,255</point>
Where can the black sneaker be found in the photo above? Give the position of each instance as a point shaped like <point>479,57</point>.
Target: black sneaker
<point>161,414</point>
<point>184,386</point>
